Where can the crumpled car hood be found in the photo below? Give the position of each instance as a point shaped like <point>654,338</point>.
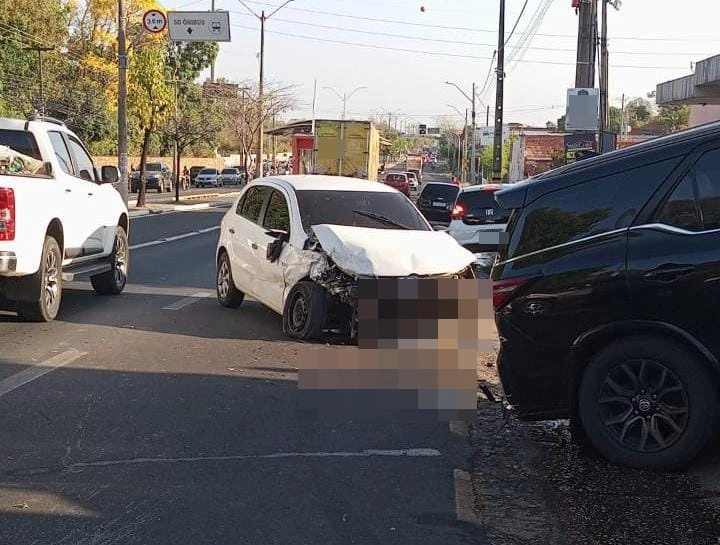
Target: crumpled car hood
<point>363,251</point>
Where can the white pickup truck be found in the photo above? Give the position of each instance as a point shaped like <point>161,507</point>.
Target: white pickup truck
<point>60,217</point>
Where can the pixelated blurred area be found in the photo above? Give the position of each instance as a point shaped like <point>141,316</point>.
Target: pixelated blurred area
<point>419,342</point>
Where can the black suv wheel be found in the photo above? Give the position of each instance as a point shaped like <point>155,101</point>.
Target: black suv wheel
<point>647,402</point>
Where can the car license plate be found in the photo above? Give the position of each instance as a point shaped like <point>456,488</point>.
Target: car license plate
<point>489,211</point>
<point>439,204</point>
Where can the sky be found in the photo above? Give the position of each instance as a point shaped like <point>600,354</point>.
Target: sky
<point>402,55</point>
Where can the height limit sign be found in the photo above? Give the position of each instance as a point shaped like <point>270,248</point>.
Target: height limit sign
<point>154,21</point>
<point>199,26</point>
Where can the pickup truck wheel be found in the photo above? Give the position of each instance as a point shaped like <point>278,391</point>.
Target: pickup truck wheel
<point>48,283</point>
<point>159,189</point>
<point>306,311</point>
<point>227,293</point>
<point>113,281</point>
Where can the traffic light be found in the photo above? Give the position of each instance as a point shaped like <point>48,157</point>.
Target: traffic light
<point>423,129</point>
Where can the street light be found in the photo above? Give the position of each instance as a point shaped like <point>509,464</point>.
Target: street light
<point>473,166</point>
<point>262,17</point>
<point>344,97</point>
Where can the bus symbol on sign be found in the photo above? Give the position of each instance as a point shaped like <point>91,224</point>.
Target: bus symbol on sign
<point>215,26</point>
<point>154,21</point>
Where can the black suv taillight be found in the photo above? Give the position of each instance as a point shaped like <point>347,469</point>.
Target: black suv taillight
<point>503,290</point>
<point>7,214</point>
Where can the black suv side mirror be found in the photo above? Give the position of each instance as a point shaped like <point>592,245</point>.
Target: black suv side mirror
<point>109,174</point>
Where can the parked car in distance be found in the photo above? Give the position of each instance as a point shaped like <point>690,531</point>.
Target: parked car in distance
<point>606,298</point>
<point>418,174</point>
<point>230,176</point>
<point>194,170</point>
<point>243,173</point>
<point>413,181</point>
<point>276,244</point>
<point>399,181</point>
<point>436,201</point>
<point>158,177</point>
<point>477,221</point>
<point>208,177</point>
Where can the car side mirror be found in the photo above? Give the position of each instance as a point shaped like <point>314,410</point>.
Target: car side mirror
<point>440,228</point>
<point>109,174</point>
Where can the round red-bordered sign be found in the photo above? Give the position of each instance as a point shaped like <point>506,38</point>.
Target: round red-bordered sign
<point>154,21</point>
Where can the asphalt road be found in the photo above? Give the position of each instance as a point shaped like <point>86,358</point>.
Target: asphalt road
<point>159,417</point>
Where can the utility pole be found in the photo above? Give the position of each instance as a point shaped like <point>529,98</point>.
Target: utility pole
<point>604,110</point>
<point>259,168</point>
<point>585,63</point>
<point>497,144</point>
<point>40,50</point>
<point>262,17</point>
<point>473,166</point>
<point>463,176</point>
<point>212,66</point>
<point>176,149</point>
<point>122,102</point>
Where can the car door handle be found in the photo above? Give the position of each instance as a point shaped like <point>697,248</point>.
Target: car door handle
<point>254,246</point>
<point>90,194</point>
<point>668,273</point>
<point>232,231</point>
<point>68,190</point>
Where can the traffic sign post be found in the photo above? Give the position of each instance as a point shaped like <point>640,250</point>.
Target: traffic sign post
<point>154,21</point>
<point>199,26</point>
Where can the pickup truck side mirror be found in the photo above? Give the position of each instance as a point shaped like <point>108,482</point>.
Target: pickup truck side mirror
<point>109,174</point>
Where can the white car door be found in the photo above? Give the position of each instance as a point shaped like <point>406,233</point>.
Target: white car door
<point>243,229</point>
<point>94,224</point>
<point>270,279</point>
<point>72,211</point>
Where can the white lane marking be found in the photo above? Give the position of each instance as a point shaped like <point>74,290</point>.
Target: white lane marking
<point>14,382</point>
<point>174,238</point>
<point>411,452</point>
<point>185,301</point>
<point>464,503</point>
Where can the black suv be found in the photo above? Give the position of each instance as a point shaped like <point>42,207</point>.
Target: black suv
<point>605,298</point>
<point>436,201</point>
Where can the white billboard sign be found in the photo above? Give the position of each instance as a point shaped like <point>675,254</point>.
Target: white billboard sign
<point>199,26</point>
<point>485,136</point>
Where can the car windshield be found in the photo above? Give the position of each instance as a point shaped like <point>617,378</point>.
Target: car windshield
<point>20,155</point>
<point>229,171</point>
<point>153,166</point>
<point>447,192</point>
<point>209,171</point>
<point>349,208</point>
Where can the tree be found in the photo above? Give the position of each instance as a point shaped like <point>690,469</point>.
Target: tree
<point>198,119</point>
<point>551,126</point>
<point>150,98</point>
<point>674,117</point>
<point>486,158</point>
<point>241,108</point>
<point>561,124</point>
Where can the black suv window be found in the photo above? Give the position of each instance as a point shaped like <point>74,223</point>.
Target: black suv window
<point>680,209</point>
<point>447,192</point>
<point>277,215</point>
<point>251,204</point>
<point>707,175</point>
<point>588,208</point>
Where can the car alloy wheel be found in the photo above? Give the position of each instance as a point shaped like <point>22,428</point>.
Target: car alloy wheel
<point>51,286</point>
<point>643,405</point>
<point>120,265</point>
<point>223,279</point>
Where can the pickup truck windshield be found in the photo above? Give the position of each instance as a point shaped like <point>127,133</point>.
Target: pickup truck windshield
<point>153,166</point>
<point>20,155</point>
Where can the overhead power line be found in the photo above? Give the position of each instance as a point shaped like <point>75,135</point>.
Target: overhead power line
<point>468,29</point>
<point>443,54</point>
<point>516,22</point>
<point>460,42</point>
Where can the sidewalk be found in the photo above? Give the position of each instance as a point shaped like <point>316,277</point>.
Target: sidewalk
<point>187,203</point>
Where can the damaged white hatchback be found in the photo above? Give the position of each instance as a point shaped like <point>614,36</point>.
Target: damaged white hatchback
<point>299,245</point>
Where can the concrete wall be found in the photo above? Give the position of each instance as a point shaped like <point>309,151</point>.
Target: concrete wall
<point>216,162</point>
<point>703,114</point>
